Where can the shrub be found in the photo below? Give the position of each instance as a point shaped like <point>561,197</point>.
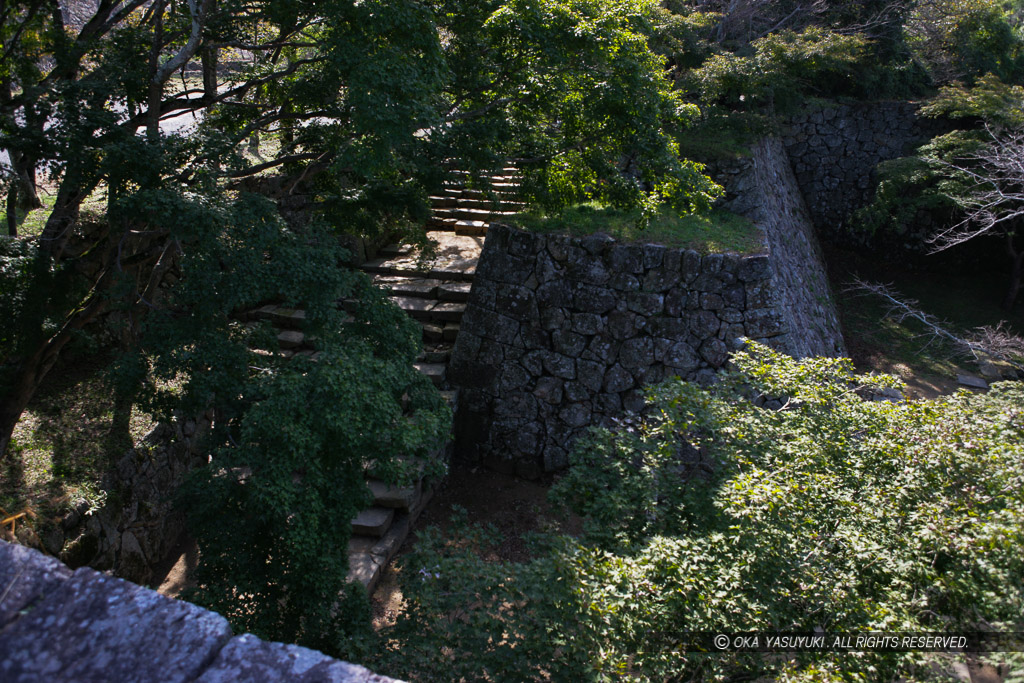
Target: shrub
<point>834,513</point>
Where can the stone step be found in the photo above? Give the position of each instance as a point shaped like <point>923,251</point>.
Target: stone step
<point>461,193</point>
<point>473,214</point>
<point>435,332</point>
<point>435,223</point>
<point>280,316</point>
<point>498,187</point>
<point>471,228</point>
<point>368,555</point>
<point>410,286</point>
<point>415,307</point>
<point>454,291</point>
<point>435,371</point>
<point>431,310</point>
<point>438,354</point>
<point>290,340</point>
<point>396,497</point>
<point>373,521</point>
<point>495,176</point>
<point>455,271</point>
<point>395,250</point>
<point>499,205</point>
<point>443,202</point>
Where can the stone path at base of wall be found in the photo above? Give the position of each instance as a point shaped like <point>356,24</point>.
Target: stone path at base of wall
<point>61,625</point>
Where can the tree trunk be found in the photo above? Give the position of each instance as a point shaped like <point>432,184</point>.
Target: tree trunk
<point>12,209</point>
<point>31,371</point>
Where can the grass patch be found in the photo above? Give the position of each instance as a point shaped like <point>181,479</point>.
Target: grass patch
<point>66,441</point>
<point>721,135</point>
<point>32,222</point>
<point>717,231</point>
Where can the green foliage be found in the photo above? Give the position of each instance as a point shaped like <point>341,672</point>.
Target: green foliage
<point>908,193</point>
<point>572,89</point>
<point>965,39</point>
<point>291,437</point>
<point>783,68</point>
<point>833,513</point>
<point>989,100</point>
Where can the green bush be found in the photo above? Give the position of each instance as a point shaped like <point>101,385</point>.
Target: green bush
<point>291,437</point>
<point>834,513</point>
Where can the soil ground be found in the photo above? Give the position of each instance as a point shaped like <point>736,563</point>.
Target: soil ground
<point>515,507</point>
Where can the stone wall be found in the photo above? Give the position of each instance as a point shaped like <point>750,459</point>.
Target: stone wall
<point>62,625</point>
<point>834,151</point>
<point>798,268</point>
<point>563,333</point>
<point>136,528</point>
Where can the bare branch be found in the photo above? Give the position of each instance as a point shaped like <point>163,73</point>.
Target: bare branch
<point>994,202</point>
<point>985,343</point>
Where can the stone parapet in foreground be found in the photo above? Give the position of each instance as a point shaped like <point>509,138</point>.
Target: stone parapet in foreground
<point>62,625</point>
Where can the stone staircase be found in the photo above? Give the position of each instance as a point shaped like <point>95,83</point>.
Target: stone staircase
<point>433,292</point>
<point>466,204</point>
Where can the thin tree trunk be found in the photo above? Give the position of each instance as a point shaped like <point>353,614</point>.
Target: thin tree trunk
<point>12,209</point>
<point>32,370</point>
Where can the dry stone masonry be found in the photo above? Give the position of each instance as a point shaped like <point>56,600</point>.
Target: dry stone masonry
<point>562,333</point>
<point>834,151</point>
<point>62,625</point>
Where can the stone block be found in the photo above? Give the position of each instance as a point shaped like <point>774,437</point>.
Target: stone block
<point>621,325</point>
<point>763,323</point>
<point>645,303</point>
<point>496,326</point>
<point>602,348</point>
<point>660,280</point>
<point>247,658</point>
<point>390,496</point>
<point>590,374</point>
<point>590,299</point>
<point>715,352</point>
<point>372,521</point>
<point>568,343</point>
<point>26,576</point>
<point>555,293</point>
<point>636,353</point>
<point>560,366</point>
<point>549,390</point>
<point>675,302</point>
<point>624,282</point>
<point>587,323</point>
<point>93,627</point>
<point>617,379</point>
<point>654,255</point>
<point>704,324</point>
<point>290,339</point>
<point>626,258</point>
<point>576,415</point>
<point>682,357</point>
<point>691,265</point>
<point>518,406</point>
<point>586,267</point>
<point>516,302</point>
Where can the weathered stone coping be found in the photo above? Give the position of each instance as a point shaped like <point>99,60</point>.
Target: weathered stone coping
<point>62,625</point>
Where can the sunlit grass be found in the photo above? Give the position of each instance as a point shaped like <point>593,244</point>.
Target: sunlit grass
<point>717,231</point>
<point>65,442</point>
